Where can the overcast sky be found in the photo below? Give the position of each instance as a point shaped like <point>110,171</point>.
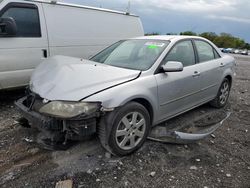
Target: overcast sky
<point>174,16</point>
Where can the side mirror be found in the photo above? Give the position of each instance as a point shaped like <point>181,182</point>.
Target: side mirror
<point>8,27</point>
<point>172,66</point>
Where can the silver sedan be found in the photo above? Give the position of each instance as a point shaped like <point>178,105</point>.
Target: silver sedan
<point>126,89</point>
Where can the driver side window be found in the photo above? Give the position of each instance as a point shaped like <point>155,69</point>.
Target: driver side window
<point>26,17</point>
<point>182,52</point>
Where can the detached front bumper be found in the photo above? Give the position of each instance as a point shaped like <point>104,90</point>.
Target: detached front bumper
<point>74,129</point>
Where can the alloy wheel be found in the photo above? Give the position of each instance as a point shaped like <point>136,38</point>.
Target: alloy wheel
<point>224,93</point>
<point>130,130</point>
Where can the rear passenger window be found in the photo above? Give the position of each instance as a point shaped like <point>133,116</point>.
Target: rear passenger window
<point>26,18</point>
<point>205,51</point>
<point>182,52</point>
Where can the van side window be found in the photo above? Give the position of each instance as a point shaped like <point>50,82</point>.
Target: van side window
<point>182,52</point>
<point>26,18</point>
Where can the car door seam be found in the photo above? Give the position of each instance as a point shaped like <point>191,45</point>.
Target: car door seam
<point>189,95</point>
<point>181,98</point>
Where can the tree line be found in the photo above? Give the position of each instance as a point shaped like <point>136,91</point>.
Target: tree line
<point>223,40</point>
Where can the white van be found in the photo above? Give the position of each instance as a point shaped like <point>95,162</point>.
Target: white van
<point>31,31</point>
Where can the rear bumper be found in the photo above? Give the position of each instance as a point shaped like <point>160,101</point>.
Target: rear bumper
<point>76,129</point>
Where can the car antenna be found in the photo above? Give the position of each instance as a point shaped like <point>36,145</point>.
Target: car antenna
<point>128,8</point>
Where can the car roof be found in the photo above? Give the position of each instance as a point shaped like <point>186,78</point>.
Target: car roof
<point>168,37</point>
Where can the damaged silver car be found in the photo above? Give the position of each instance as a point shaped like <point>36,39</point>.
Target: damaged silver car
<point>126,89</point>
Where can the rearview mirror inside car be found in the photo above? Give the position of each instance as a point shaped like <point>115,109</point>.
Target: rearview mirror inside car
<point>172,66</point>
<point>8,27</point>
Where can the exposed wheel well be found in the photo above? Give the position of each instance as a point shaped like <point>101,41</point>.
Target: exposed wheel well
<point>147,105</point>
<point>229,78</point>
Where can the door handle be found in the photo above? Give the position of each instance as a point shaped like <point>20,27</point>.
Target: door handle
<point>45,53</point>
<point>222,65</point>
<point>196,74</point>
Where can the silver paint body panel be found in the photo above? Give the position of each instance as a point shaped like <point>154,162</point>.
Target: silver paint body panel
<point>170,94</point>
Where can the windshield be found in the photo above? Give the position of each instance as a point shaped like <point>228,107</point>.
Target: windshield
<point>132,54</point>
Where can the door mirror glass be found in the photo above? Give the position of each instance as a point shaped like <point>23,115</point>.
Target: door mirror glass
<point>172,66</point>
<point>8,27</point>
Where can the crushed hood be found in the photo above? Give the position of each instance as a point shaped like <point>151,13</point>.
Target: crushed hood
<point>72,79</point>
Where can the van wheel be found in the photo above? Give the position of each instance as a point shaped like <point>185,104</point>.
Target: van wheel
<point>223,94</point>
<point>130,127</point>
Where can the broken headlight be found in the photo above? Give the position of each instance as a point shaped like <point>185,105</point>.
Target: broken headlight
<point>69,109</point>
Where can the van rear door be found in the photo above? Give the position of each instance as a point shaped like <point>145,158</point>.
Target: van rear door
<point>21,53</point>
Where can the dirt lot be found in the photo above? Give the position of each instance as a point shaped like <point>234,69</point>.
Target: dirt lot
<point>222,160</point>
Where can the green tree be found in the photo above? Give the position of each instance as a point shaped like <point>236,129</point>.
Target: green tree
<point>247,46</point>
<point>189,33</point>
<point>239,43</point>
<point>223,40</point>
<point>209,35</point>
<point>153,33</point>
<point>226,40</point>
<point>171,33</point>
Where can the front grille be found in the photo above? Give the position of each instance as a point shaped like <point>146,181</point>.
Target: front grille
<point>33,102</point>
<point>37,105</point>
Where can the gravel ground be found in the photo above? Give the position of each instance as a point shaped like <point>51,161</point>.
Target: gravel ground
<point>222,160</point>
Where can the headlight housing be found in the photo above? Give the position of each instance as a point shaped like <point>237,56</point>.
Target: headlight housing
<point>63,109</point>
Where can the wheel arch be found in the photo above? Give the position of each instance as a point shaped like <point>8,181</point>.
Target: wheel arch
<point>230,79</point>
<point>104,128</point>
<point>144,102</point>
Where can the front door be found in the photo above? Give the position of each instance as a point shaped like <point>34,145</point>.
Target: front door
<point>179,91</point>
<point>20,54</point>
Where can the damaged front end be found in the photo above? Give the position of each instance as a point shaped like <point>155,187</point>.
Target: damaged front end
<point>59,120</point>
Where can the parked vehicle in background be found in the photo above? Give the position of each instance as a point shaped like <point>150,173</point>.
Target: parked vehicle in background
<point>227,50</point>
<point>222,49</point>
<point>126,89</point>
<point>240,51</point>
<point>236,51</point>
<point>244,52</point>
<point>31,31</point>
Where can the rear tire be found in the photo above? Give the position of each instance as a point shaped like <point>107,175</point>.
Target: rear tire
<point>223,94</point>
<point>129,129</point>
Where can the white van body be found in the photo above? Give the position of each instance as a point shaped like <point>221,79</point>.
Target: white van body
<point>47,28</point>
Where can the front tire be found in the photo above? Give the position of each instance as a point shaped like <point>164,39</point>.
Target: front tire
<point>223,94</point>
<point>130,127</point>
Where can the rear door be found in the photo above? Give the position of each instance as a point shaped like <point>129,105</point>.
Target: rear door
<point>211,67</point>
<point>179,91</point>
<point>20,54</point>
